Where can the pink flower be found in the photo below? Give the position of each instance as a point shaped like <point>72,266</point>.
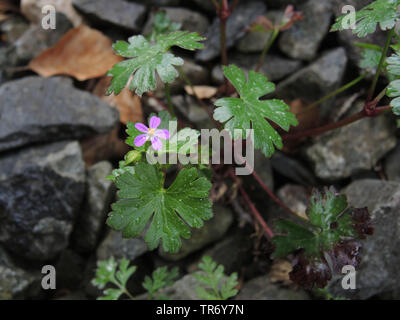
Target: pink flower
<point>153,134</point>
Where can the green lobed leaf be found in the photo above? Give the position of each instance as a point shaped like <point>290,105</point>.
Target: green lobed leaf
<point>332,229</point>
<point>370,58</point>
<point>109,272</point>
<point>161,278</point>
<point>324,210</point>
<point>162,24</point>
<point>249,111</point>
<point>382,12</point>
<point>170,212</point>
<point>393,90</point>
<point>214,283</point>
<point>147,58</point>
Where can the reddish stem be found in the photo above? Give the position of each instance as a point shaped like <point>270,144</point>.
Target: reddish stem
<point>272,195</point>
<point>265,187</point>
<point>223,14</point>
<point>268,232</point>
<point>332,126</point>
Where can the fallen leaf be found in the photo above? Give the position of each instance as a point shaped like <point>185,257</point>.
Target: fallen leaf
<point>32,10</point>
<point>203,92</point>
<point>7,7</point>
<point>106,146</point>
<point>3,17</point>
<point>82,52</point>
<point>308,118</point>
<point>128,104</point>
<point>280,272</point>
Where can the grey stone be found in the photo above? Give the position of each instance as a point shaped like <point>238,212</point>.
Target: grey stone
<point>35,109</point>
<point>240,19</point>
<point>293,169</point>
<point>207,6</point>
<point>295,197</point>
<point>302,40</point>
<point>8,57</point>
<point>213,230</point>
<point>15,283</point>
<point>99,194</point>
<point>190,20</point>
<point>118,247</point>
<point>392,165</point>
<point>190,108</point>
<point>119,13</point>
<point>13,28</point>
<point>380,254</point>
<point>221,252</point>
<point>158,3</point>
<point>316,80</point>
<point>183,289</point>
<point>356,147</point>
<point>262,288</point>
<point>274,67</point>
<point>70,269</point>
<point>41,190</point>
<point>36,39</point>
<point>255,41</point>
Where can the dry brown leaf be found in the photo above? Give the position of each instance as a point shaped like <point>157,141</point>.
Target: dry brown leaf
<point>203,92</point>
<point>307,118</point>
<point>8,5</point>
<point>280,272</point>
<point>128,104</point>
<point>3,17</point>
<point>82,52</point>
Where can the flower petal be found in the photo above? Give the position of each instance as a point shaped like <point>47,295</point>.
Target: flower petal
<point>140,140</point>
<point>162,133</point>
<point>154,122</point>
<point>156,143</point>
<point>141,127</point>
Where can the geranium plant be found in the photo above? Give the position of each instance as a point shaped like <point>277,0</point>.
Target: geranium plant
<point>166,213</point>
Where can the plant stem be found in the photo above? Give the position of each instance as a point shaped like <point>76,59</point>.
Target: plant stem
<point>271,40</point>
<point>379,69</point>
<point>268,232</point>
<point>128,294</point>
<point>273,196</point>
<point>265,187</point>
<point>332,126</point>
<point>380,96</point>
<point>256,214</point>
<point>334,93</point>
<point>169,101</point>
<point>222,31</point>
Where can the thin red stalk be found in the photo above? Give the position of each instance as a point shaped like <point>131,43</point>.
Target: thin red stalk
<point>271,194</point>
<point>268,232</point>
<point>224,54</point>
<point>265,187</point>
<point>332,126</point>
